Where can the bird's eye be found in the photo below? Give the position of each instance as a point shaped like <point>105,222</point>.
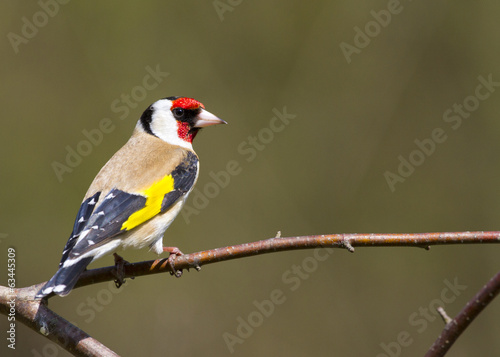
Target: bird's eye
<point>178,113</point>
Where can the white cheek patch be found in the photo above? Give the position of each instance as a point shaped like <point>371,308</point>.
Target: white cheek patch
<point>164,125</point>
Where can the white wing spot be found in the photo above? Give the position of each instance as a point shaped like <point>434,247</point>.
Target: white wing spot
<point>81,220</point>
<point>59,288</point>
<point>101,213</point>
<point>47,291</point>
<point>91,242</point>
<point>95,227</point>
<point>110,196</point>
<point>92,202</point>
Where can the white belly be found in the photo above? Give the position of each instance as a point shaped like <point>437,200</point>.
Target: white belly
<point>151,232</point>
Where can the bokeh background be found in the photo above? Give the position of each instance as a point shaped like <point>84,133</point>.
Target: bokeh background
<point>323,173</point>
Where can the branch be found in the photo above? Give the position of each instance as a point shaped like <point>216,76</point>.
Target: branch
<point>36,315</point>
<point>472,309</point>
<point>273,245</point>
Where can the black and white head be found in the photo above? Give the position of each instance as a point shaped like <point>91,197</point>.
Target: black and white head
<point>177,120</point>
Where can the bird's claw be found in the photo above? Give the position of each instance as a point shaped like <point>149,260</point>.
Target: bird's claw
<point>119,271</point>
<point>174,253</point>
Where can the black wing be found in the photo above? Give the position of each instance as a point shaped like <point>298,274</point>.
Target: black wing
<point>81,220</point>
<point>184,177</point>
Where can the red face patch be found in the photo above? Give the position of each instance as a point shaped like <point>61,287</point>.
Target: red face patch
<point>186,103</point>
<point>184,132</point>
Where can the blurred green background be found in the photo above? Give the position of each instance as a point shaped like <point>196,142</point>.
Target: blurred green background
<point>63,72</point>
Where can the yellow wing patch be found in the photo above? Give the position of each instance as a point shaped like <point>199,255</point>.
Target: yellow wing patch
<point>154,198</point>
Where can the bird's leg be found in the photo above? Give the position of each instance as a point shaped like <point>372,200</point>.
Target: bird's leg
<point>174,253</point>
<point>119,271</point>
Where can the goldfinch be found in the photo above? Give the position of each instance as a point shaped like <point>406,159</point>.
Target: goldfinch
<point>138,192</point>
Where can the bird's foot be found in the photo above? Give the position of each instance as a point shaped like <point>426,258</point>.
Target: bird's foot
<point>174,253</point>
<point>119,271</point>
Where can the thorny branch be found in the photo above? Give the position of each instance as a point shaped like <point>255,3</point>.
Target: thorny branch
<point>472,309</point>
<point>36,315</point>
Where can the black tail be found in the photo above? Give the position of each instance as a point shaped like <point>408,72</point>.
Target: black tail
<point>65,279</point>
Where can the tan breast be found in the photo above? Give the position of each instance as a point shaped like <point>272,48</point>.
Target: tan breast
<point>143,160</point>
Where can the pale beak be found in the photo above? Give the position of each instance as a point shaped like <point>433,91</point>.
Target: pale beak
<point>206,119</point>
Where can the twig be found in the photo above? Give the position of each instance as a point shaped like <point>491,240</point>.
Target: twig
<point>36,315</point>
<point>272,245</point>
<point>447,319</point>
<point>472,309</point>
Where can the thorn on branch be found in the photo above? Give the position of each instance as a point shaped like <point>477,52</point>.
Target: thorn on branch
<point>444,315</point>
<point>278,234</point>
<point>347,245</point>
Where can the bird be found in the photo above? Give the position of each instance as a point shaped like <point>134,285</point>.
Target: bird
<point>138,192</point>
